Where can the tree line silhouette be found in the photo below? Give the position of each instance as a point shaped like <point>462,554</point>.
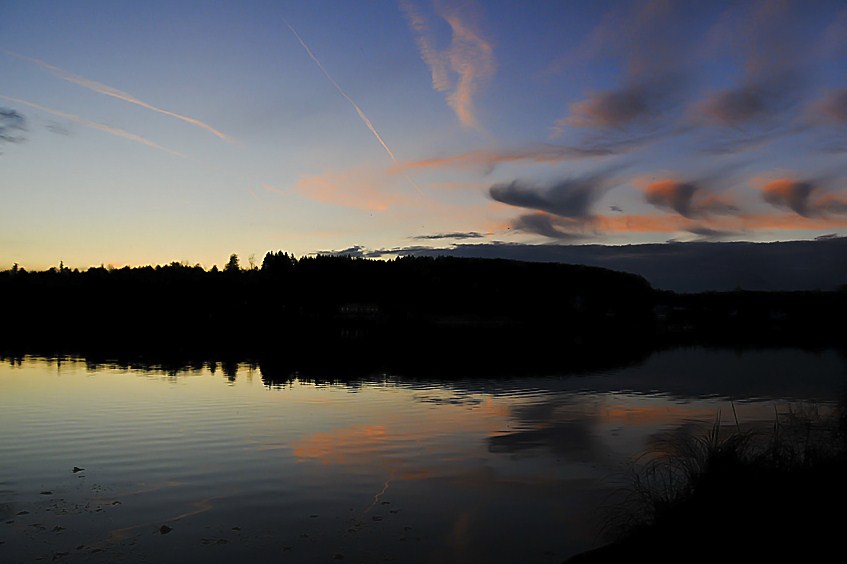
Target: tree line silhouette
<point>412,307</point>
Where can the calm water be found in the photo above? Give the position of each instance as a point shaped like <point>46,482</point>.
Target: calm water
<point>380,469</point>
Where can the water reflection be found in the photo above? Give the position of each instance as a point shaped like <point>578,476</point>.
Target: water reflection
<point>258,460</point>
<point>693,372</point>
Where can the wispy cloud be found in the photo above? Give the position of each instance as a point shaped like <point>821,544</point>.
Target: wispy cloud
<point>831,109</point>
<point>550,226</point>
<point>616,108</point>
<point>666,61</point>
<point>357,189</point>
<point>773,77</point>
<point>828,115</point>
<point>356,251</point>
<point>273,189</point>
<point>106,90</point>
<point>435,59</point>
<point>654,85</point>
<point>470,56</point>
<point>570,197</point>
<point>116,131</point>
<point>749,103</point>
<point>834,38</point>
<point>11,123</point>
<point>752,114</point>
<point>576,228</point>
<point>564,228</point>
<point>489,159</point>
<point>453,235</point>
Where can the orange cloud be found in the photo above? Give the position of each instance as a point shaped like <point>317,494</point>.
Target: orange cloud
<point>470,56</point>
<point>688,199</point>
<point>357,189</point>
<point>478,186</point>
<point>805,198</point>
<point>789,194</point>
<point>488,159</point>
<point>636,223</point>
<point>743,222</point>
<point>655,223</point>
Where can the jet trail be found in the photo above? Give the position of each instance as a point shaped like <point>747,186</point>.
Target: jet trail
<point>359,111</point>
<point>101,88</point>
<point>94,125</point>
<point>341,91</point>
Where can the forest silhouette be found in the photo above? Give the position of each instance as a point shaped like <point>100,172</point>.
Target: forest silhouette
<point>342,308</point>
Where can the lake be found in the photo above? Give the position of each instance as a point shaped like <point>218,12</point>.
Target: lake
<point>219,462</point>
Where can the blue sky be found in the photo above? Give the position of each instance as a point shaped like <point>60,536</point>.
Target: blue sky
<point>151,132</point>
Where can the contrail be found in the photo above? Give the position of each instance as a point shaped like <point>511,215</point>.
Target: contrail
<point>94,125</point>
<point>359,111</point>
<point>341,91</point>
<point>101,88</point>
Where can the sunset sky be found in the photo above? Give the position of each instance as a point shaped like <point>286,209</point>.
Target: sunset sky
<point>149,132</point>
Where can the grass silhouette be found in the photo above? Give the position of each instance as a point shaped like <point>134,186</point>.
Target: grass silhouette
<point>737,494</point>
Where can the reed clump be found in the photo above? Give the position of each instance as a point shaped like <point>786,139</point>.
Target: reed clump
<point>697,496</point>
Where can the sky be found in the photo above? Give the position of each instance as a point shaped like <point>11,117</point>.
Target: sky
<point>149,132</point>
